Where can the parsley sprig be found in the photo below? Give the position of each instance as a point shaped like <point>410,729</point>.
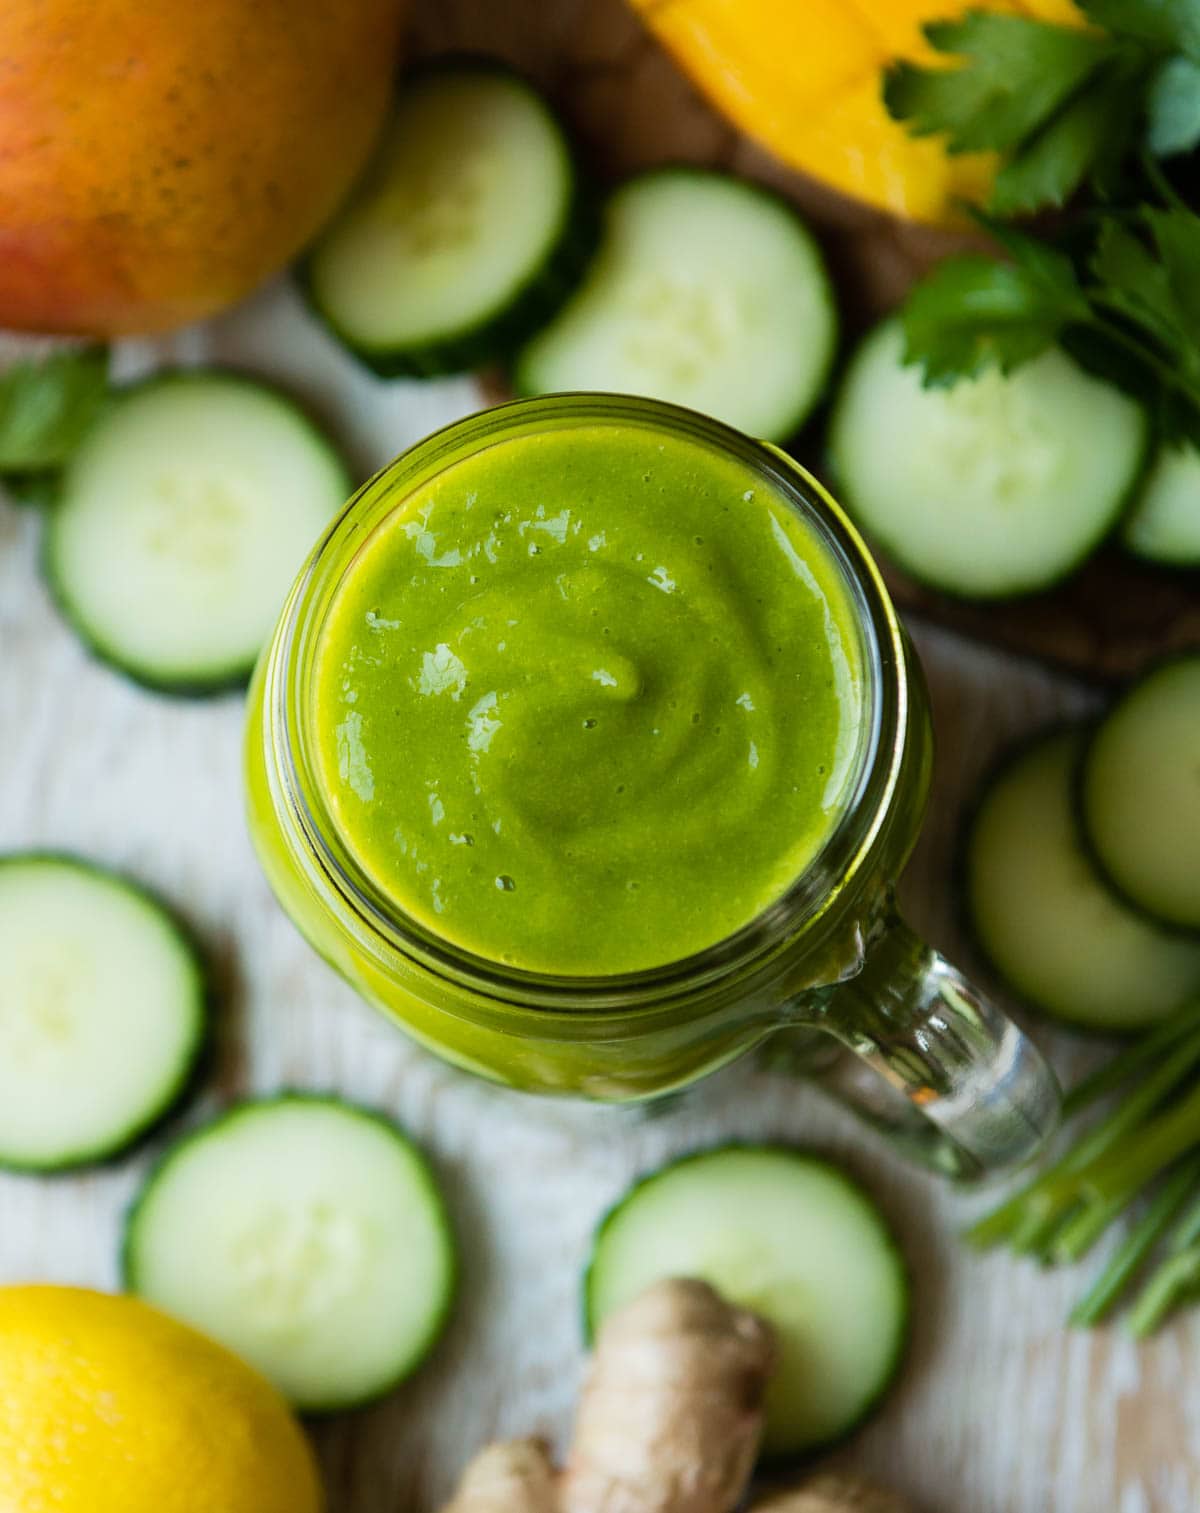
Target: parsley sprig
<point>46,405</point>
<point>1126,306</point>
<point>1062,105</point>
<point>1118,284</point>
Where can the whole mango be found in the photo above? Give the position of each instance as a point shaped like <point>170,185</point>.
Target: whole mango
<point>804,78</point>
<point>157,161</point>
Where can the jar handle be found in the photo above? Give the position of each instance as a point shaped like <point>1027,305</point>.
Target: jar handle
<point>941,1070</point>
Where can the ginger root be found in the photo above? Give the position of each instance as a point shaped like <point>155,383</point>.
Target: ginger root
<point>669,1422</point>
<point>672,1412</point>
<point>832,1492</point>
<point>511,1476</point>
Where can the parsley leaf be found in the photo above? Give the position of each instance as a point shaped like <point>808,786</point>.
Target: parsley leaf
<point>972,312</point>
<point>1063,106</point>
<point>1091,132</point>
<point>1130,280</point>
<point>1176,235</point>
<point>1121,290</point>
<point>1050,269</point>
<point>46,405</point>
<point>1016,74</point>
<point>1172,25</point>
<point>1156,284</point>
<point>1127,308</point>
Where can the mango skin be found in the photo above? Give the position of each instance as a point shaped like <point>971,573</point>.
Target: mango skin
<point>159,160</point>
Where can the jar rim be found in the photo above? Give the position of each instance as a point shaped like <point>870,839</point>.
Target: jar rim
<point>389,931</point>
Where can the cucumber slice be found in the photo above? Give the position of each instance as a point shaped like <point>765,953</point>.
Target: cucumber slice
<point>1164,523</point>
<point>1140,794</point>
<point>1000,485</point>
<point>102,1012</point>
<point>307,1235</point>
<point>792,1238</point>
<point>467,232</point>
<point>182,520</point>
<point>707,291</point>
<point>1039,911</point>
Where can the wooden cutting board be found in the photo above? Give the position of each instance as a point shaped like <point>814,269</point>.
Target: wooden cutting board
<point>630,107</point>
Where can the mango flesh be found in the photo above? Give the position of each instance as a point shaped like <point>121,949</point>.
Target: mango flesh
<point>804,77</point>
<point>159,160</point>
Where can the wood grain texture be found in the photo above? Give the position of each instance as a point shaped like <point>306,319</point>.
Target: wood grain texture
<point>631,108</point>
<point>1000,1409</point>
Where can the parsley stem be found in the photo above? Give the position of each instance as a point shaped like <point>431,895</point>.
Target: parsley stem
<point>1139,349</point>
<point>1157,179</point>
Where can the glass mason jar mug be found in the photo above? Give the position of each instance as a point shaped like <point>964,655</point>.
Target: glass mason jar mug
<point>960,1086</point>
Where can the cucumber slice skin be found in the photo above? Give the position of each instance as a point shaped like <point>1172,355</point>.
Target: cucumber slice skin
<point>526,383</point>
<point>194,1065</point>
<point>496,337</point>
<point>224,677</point>
<point>1155,529</point>
<point>775,1459</point>
<point>1010,760</point>
<point>1108,524</point>
<point>255,1107</point>
<point>30,491</point>
<point>1185,925</point>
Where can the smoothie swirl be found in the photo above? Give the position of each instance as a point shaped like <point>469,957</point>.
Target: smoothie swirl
<point>589,700</point>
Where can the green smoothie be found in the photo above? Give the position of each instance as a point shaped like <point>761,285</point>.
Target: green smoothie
<point>588,701</point>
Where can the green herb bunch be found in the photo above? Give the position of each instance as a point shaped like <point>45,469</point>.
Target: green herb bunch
<point>1081,118</point>
<point>1145,1148</point>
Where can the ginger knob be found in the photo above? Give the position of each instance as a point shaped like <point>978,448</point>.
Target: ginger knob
<point>672,1412</point>
<point>511,1476</point>
<point>832,1492</point>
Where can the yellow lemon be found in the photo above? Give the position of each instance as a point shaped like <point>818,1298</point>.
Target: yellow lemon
<point>108,1406</point>
<point>804,77</point>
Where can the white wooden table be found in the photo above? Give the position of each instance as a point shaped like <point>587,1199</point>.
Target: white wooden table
<point>1000,1410</point>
